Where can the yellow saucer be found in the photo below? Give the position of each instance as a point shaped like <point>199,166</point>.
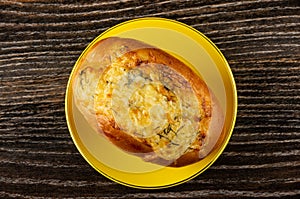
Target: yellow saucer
<point>203,57</point>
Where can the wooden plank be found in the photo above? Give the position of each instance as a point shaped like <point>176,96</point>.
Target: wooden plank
<point>40,41</point>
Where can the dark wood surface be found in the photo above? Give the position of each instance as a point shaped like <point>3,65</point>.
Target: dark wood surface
<point>40,41</point>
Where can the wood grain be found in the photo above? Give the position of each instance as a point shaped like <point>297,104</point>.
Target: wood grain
<point>40,41</point>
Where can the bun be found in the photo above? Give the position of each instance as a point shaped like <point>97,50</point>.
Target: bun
<point>148,103</point>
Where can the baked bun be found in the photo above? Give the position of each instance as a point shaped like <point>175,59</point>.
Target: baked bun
<point>147,102</point>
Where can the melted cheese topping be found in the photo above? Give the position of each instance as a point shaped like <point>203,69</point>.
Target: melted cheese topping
<point>85,85</point>
<point>152,103</point>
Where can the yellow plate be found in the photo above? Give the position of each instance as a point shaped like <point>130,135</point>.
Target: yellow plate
<point>203,56</point>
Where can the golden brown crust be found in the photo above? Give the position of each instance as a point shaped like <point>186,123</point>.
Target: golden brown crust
<point>115,51</point>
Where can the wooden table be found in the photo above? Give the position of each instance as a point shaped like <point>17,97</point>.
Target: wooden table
<point>40,41</point>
